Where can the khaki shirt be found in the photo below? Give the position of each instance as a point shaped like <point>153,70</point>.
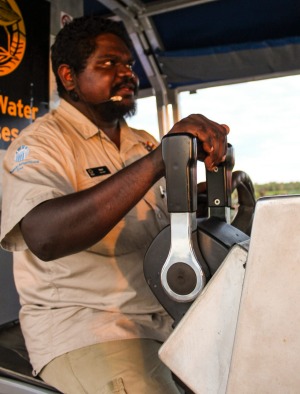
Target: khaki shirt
<point>99,294</point>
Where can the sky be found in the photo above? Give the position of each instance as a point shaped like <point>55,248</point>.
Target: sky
<point>264,121</point>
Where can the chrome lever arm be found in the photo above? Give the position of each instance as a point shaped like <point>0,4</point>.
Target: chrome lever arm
<point>182,277</point>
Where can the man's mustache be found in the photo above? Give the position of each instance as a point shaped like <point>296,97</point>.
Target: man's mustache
<point>126,83</point>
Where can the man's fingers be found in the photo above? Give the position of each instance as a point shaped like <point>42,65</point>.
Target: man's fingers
<point>227,128</point>
<point>211,135</point>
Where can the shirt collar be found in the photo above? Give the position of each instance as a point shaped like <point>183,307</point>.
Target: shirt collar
<point>88,129</point>
<point>83,125</point>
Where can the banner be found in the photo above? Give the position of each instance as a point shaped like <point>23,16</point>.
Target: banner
<point>24,65</point>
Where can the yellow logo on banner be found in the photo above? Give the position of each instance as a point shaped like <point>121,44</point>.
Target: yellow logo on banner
<point>12,37</point>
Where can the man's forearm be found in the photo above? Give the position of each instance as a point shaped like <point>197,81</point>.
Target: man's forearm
<point>69,224</point>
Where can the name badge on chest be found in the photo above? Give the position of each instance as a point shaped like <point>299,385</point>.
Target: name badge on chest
<point>98,171</point>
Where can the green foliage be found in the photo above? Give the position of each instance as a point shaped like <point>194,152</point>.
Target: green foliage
<point>274,188</point>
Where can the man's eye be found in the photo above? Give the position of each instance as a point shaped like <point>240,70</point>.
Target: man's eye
<point>111,63</point>
<point>108,64</point>
<point>130,66</point>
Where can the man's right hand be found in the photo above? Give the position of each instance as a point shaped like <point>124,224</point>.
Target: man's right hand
<point>211,135</point>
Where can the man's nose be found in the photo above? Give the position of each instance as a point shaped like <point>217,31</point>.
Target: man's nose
<point>125,69</point>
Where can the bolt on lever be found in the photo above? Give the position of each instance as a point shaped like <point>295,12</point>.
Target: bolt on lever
<point>219,187</point>
<point>182,277</point>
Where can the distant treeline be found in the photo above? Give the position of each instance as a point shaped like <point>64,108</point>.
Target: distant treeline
<point>274,188</point>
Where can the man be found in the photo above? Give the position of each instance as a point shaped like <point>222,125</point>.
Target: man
<point>81,204</point>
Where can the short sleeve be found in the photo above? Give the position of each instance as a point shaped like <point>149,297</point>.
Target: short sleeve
<point>37,167</point>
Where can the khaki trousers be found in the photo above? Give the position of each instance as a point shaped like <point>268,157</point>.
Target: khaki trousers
<point>125,367</point>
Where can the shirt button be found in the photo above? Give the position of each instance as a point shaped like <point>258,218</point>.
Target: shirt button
<point>159,215</point>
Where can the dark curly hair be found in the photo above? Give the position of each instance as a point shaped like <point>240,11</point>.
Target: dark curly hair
<point>75,42</point>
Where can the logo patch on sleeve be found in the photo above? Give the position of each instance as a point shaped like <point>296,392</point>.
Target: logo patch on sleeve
<point>98,171</point>
<point>21,153</point>
<point>20,157</point>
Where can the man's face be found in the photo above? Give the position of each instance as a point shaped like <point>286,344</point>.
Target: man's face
<point>108,73</point>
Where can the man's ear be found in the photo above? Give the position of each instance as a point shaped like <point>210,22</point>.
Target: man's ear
<point>66,76</point>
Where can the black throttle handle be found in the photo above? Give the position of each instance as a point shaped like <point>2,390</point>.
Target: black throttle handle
<point>180,158</point>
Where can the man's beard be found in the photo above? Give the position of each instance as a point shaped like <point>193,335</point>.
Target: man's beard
<point>115,110</point>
